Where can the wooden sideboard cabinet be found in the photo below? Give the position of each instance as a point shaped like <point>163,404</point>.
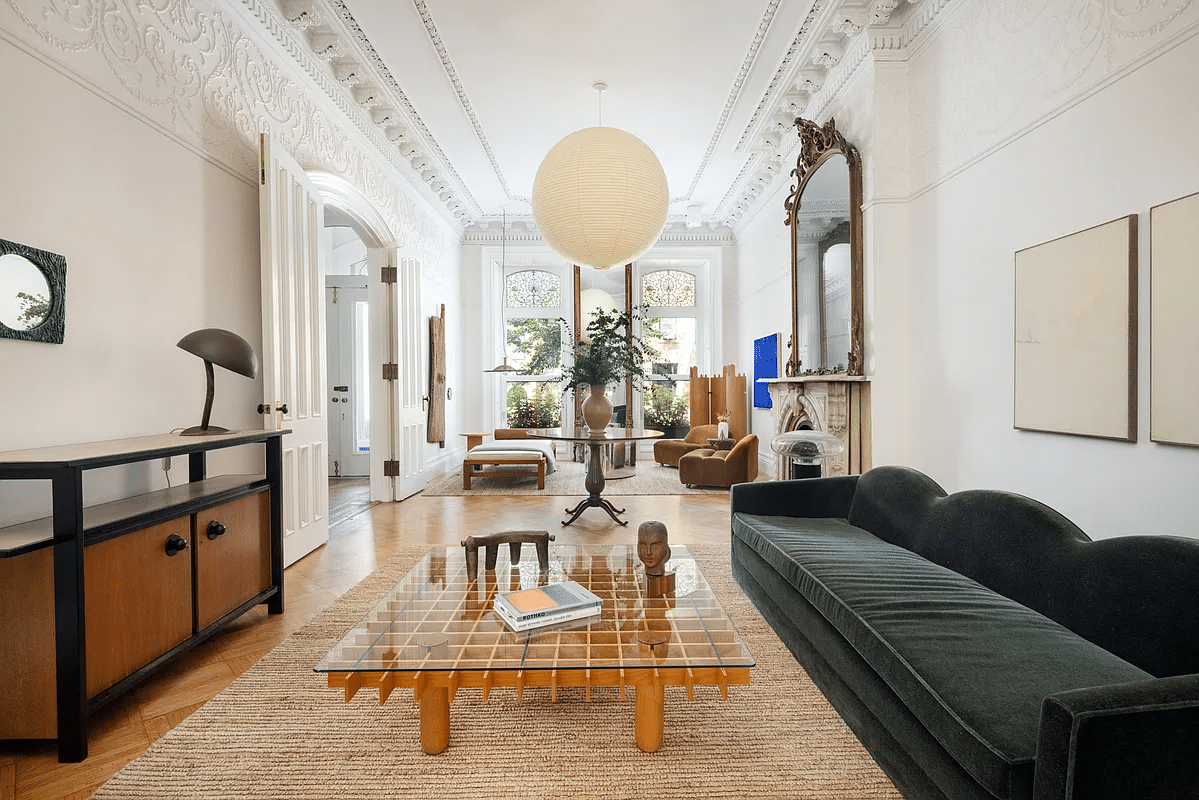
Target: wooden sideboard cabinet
<point>93,599</point>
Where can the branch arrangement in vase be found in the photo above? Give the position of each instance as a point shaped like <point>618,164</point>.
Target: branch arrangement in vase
<point>608,351</point>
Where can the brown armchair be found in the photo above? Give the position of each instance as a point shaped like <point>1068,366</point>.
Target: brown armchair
<point>721,467</point>
<point>669,451</point>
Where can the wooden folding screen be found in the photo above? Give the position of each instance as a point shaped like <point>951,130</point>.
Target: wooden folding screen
<point>713,395</point>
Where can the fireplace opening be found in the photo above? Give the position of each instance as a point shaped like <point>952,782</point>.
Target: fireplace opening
<point>798,468</point>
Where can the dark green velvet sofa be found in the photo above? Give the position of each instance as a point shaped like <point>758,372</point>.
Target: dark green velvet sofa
<point>979,644</point>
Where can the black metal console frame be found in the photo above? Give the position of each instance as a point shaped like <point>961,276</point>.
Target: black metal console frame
<point>66,476</point>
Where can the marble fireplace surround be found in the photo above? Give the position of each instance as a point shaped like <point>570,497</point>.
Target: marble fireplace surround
<point>836,404</point>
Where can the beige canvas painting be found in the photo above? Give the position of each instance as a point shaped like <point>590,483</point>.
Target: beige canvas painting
<point>1173,322</point>
<point>1075,333</point>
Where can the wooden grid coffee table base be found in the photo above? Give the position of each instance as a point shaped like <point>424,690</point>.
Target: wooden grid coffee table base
<point>435,690</point>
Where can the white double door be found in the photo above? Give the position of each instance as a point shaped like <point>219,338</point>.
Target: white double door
<point>347,313</point>
<point>293,344</point>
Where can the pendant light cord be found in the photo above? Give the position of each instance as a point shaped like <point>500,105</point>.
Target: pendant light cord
<point>599,90</point>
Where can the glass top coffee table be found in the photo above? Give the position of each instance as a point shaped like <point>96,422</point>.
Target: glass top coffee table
<point>436,633</point>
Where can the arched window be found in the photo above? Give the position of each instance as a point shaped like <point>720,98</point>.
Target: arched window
<point>668,288</point>
<point>533,288</point>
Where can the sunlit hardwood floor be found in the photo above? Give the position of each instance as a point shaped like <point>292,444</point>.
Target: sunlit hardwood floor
<point>365,537</point>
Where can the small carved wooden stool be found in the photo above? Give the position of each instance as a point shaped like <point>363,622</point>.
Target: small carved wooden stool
<point>492,541</point>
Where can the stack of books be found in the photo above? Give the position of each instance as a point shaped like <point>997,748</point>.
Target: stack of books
<point>546,605</point>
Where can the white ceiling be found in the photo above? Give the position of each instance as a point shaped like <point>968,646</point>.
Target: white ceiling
<point>475,92</point>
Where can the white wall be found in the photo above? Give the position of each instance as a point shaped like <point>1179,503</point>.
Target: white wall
<point>158,242</point>
<point>1121,150</point>
<point>970,156</point>
<point>153,199</point>
<point>761,286</point>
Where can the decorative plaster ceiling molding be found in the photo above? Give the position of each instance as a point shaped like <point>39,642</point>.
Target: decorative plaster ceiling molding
<point>325,44</point>
<point>818,68</point>
<point>1068,57</point>
<point>522,231</point>
<point>734,94</point>
<point>880,11</point>
<point>475,213</point>
<point>303,14</point>
<point>368,69</point>
<point>782,73</point>
<point>452,73</point>
<point>206,74</point>
<point>338,79</point>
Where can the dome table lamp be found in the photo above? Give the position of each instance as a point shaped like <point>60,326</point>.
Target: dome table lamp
<point>223,348</point>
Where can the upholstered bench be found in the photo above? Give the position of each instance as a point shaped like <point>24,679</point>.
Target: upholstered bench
<point>504,463</point>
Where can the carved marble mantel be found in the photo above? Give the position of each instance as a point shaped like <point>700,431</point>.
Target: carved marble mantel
<point>835,404</point>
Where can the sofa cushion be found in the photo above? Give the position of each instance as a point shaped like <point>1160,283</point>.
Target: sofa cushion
<point>972,665</point>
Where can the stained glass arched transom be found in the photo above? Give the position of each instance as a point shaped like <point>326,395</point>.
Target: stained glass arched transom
<point>533,288</point>
<point>668,288</point>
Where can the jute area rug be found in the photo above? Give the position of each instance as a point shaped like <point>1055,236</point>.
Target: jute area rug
<point>278,732</point>
<point>568,480</point>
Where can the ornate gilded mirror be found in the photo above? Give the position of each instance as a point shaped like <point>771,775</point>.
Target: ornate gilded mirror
<point>824,213</point>
<point>33,287</point>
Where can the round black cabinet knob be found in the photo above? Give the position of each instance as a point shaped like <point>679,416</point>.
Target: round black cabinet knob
<point>215,529</point>
<point>175,544</point>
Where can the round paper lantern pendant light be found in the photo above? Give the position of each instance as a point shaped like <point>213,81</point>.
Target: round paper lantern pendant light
<point>600,197</point>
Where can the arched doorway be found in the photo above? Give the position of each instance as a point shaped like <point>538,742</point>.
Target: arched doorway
<point>347,209</point>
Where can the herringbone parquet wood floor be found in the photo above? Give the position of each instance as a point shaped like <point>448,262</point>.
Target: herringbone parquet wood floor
<point>363,539</point>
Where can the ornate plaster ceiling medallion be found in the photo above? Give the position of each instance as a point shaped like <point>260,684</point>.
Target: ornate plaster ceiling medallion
<point>600,197</point>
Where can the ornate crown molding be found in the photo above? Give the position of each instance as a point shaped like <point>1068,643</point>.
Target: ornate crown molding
<point>212,75</point>
<point>393,113</point>
<point>523,230</point>
<point>734,94</point>
<point>451,72</point>
<point>828,51</point>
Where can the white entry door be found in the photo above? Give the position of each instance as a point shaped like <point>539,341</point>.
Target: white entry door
<point>348,316</point>
<point>293,344</point>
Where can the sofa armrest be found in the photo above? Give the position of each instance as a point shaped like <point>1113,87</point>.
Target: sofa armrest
<point>1127,740</point>
<point>809,497</point>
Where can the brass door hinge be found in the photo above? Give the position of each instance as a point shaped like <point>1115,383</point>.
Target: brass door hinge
<point>391,372</point>
<point>389,275</point>
<point>391,469</point>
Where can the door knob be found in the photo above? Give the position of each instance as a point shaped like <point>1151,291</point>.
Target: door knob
<point>215,529</point>
<point>175,544</point>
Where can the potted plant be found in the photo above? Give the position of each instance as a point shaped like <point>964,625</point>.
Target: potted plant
<point>608,352</point>
<point>542,410</point>
<point>667,412</point>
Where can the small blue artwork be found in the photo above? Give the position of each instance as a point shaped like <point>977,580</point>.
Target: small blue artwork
<point>766,365</point>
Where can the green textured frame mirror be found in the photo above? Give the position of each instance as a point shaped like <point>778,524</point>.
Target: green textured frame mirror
<point>33,293</point>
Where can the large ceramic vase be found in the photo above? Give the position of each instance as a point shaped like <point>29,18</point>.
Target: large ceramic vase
<point>597,408</point>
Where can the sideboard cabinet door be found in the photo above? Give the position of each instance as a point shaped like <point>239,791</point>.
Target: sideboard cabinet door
<point>138,600</point>
<point>233,555</point>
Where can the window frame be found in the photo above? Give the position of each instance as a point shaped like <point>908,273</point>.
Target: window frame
<point>551,313</point>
